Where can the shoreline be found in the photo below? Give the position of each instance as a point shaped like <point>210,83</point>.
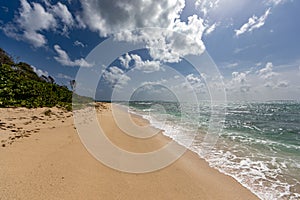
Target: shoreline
<point>190,150</point>
<point>53,164</point>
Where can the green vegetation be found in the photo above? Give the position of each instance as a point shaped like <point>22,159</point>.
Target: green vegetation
<point>20,86</point>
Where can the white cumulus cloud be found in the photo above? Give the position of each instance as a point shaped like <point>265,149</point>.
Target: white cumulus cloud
<point>192,79</point>
<point>271,79</point>
<point>146,66</point>
<point>125,60</point>
<point>239,82</point>
<point>267,73</point>
<point>32,19</point>
<point>30,22</point>
<point>60,10</point>
<point>109,17</point>
<point>206,5</point>
<point>254,22</point>
<point>116,77</point>
<point>64,59</point>
<point>182,39</point>
<point>119,18</point>
<point>112,16</point>
<point>195,82</point>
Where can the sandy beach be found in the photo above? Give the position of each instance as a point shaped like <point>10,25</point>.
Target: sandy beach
<point>42,157</point>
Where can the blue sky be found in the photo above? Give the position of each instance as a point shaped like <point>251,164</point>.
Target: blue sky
<point>254,43</point>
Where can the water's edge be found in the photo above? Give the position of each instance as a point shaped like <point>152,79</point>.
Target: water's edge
<point>190,149</point>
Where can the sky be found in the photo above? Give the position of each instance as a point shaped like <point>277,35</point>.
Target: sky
<point>243,50</point>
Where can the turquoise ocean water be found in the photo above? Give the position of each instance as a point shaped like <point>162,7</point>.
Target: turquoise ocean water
<point>259,144</point>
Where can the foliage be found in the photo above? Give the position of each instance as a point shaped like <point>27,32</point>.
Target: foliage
<point>5,58</point>
<point>21,86</point>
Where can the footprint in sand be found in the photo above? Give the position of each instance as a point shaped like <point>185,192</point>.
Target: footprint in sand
<point>26,123</point>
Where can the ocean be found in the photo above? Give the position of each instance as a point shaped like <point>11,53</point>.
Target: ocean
<point>258,144</point>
